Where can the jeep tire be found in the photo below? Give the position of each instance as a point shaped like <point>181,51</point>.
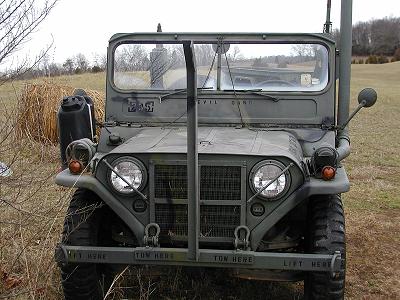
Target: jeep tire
<point>82,227</point>
<point>325,235</point>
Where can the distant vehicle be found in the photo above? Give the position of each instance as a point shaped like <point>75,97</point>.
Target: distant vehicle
<point>218,150</point>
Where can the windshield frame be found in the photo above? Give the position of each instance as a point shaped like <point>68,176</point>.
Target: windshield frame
<point>232,38</point>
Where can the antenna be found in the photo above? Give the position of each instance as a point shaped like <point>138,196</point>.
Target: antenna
<point>328,23</point>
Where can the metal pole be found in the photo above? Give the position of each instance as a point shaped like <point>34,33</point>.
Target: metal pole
<point>345,61</point>
<point>192,154</point>
<point>219,63</point>
<point>328,23</point>
<point>328,11</point>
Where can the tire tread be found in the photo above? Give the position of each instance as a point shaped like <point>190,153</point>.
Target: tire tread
<point>325,235</point>
<point>81,281</point>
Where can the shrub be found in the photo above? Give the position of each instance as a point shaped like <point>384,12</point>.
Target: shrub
<point>36,115</point>
<point>382,59</point>
<point>361,61</point>
<point>96,69</point>
<point>282,64</point>
<point>396,54</point>
<point>393,59</point>
<point>372,59</point>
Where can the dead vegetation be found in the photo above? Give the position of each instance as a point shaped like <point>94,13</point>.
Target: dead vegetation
<point>31,209</point>
<point>38,106</point>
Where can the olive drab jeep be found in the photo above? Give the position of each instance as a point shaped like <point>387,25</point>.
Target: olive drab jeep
<point>219,150</point>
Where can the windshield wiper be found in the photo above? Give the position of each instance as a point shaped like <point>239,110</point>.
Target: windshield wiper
<point>180,91</point>
<point>252,92</point>
<point>256,92</point>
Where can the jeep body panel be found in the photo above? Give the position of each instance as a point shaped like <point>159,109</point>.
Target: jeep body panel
<point>215,140</point>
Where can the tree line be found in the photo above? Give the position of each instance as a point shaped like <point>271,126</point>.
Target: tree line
<point>379,37</point>
<point>19,19</point>
<point>378,40</point>
<point>76,64</point>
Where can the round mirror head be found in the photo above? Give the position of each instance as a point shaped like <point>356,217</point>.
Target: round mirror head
<point>221,48</point>
<point>368,96</point>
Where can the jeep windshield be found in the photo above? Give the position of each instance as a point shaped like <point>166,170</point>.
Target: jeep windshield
<point>223,66</point>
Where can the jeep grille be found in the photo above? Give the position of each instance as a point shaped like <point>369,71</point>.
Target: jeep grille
<point>216,183</point>
<point>215,220</point>
<point>220,186</point>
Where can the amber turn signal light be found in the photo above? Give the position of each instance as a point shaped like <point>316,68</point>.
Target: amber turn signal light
<point>328,173</point>
<point>75,167</point>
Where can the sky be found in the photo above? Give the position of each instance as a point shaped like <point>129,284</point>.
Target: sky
<point>85,26</point>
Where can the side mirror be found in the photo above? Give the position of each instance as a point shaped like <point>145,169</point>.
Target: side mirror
<point>367,97</point>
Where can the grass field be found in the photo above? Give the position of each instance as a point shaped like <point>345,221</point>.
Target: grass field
<point>373,203</point>
<point>32,208</point>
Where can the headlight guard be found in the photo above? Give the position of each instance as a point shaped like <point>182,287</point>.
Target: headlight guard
<point>132,170</point>
<point>264,171</point>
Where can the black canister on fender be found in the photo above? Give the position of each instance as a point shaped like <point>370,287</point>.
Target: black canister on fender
<point>75,121</point>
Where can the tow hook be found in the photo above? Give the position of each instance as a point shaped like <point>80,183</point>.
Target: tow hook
<point>335,256</point>
<point>242,235</point>
<point>60,255</point>
<point>151,234</point>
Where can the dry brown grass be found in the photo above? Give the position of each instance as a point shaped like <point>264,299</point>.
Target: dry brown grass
<point>38,106</point>
<point>374,267</point>
<point>373,203</point>
<point>31,212</point>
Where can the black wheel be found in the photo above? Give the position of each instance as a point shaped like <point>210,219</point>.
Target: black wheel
<point>83,227</point>
<point>325,235</point>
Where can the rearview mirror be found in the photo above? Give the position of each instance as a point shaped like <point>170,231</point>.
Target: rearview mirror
<point>221,48</point>
<point>367,97</point>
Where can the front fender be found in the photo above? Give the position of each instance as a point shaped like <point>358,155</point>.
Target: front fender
<point>65,178</point>
<point>314,186</point>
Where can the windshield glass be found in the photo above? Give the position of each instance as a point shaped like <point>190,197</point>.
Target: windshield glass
<point>263,67</point>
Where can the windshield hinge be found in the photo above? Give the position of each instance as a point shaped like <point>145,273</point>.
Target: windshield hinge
<point>328,127</point>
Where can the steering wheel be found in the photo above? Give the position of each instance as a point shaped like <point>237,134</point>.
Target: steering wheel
<point>275,81</point>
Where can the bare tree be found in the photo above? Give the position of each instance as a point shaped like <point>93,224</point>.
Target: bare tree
<point>204,54</point>
<point>385,36</point>
<point>131,58</point>
<point>177,57</point>
<point>100,60</point>
<point>103,61</point>
<point>361,38</point>
<point>69,66</point>
<point>18,20</point>
<point>303,50</point>
<point>375,37</point>
<point>81,63</point>
<point>55,69</point>
<point>44,65</point>
<point>236,55</point>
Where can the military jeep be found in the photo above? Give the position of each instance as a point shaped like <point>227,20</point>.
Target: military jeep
<point>219,150</point>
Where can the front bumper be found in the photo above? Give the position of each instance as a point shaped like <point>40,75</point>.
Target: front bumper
<point>207,258</point>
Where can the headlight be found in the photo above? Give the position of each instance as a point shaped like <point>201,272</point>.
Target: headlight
<point>131,170</point>
<point>263,173</point>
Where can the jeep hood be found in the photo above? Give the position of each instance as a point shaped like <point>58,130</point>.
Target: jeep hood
<point>214,140</point>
